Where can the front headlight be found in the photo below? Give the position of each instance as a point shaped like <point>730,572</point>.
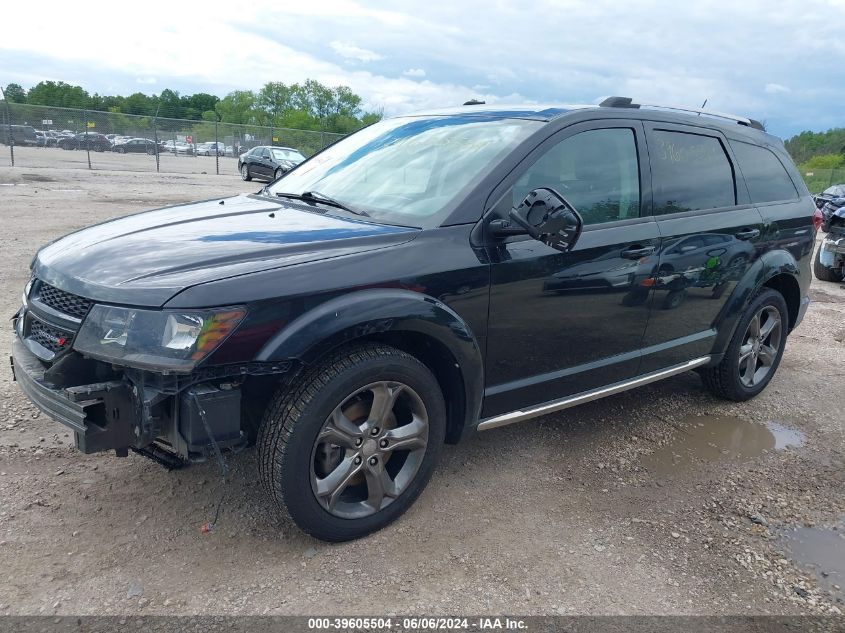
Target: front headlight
<point>166,340</point>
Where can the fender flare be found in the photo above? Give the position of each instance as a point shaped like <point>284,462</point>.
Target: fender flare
<point>355,315</point>
<point>766,267</point>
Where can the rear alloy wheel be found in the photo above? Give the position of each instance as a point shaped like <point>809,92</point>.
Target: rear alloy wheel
<point>754,353</point>
<point>349,447</point>
<point>245,172</point>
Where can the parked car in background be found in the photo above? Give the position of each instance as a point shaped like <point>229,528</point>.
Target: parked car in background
<point>20,134</point>
<point>178,147</point>
<point>829,264</point>
<point>211,148</point>
<point>834,191</point>
<point>138,146</point>
<point>92,140</point>
<point>40,138</point>
<point>268,162</point>
<point>52,137</point>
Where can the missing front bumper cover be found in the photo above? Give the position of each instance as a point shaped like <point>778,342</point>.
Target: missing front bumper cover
<point>100,414</point>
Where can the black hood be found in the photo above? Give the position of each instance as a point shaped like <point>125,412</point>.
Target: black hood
<point>145,259</point>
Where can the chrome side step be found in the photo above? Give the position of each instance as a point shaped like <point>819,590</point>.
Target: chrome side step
<point>589,396</point>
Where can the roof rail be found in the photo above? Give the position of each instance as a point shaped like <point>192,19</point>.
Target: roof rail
<point>627,102</point>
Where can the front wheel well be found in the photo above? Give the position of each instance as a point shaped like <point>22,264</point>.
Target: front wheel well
<point>788,287</point>
<point>442,363</point>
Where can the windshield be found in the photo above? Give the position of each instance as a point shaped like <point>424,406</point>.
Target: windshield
<point>408,170</point>
<point>287,154</point>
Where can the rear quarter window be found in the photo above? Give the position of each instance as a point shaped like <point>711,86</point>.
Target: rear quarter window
<point>765,175</point>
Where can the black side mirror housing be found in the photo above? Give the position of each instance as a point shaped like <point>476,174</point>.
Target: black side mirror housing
<point>546,216</point>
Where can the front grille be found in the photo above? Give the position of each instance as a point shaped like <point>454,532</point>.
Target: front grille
<point>49,337</point>
<point>62,301</point>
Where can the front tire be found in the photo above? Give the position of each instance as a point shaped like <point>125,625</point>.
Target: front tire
<point>348,447</point>
<point>754,353</point>
<point>245,175</point>
<point>277,174</point>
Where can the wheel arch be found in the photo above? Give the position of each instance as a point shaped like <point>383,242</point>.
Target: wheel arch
<point>777,270</point>
<point>415,323</point>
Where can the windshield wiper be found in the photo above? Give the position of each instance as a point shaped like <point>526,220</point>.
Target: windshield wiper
<point>316,196</point>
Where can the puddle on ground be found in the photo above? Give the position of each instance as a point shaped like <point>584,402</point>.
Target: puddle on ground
<point>822,550</point>
<point>713,438</point>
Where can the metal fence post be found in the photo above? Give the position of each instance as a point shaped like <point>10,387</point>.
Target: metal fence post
<point>9,129</point>
<point>216,149</point>
<point>155,135</point>
<point>87,144</point>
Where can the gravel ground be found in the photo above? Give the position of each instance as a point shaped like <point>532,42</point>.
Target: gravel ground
<point>658,501</point>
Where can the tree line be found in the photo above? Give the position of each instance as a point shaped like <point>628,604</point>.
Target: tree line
<point>824,150</point>
<point>308,106</point>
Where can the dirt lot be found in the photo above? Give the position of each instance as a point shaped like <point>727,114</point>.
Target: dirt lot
<point>657,501</point>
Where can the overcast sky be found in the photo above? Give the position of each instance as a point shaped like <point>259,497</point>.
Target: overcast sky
<point>781,62</point>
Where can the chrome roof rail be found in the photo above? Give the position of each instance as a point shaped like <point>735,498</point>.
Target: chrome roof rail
<point>626,102</point>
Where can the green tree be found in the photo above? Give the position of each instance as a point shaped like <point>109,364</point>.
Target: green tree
<point>805,145</point>
<point>58,94</point>
<point>825,161</point>
<point>15,93</point>
<point>139,103</point>
<point>238,107</point>
<point>195,105</point>
<point>275,98</point>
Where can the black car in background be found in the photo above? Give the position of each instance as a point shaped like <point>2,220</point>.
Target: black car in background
<point>422,279</point>
<point>268,162</point>
<point>139,146</point>
<point>93,141</point>
<point>21,134</point>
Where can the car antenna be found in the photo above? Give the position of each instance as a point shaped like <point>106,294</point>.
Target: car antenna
<point>702,106</point>
<point>474,102</point>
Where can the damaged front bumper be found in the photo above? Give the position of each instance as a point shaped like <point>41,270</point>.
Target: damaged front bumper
<point>92,411</point>
<point>170,418</point>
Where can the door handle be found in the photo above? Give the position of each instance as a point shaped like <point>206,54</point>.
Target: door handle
<point>637,252</point>
<point>747,234</point>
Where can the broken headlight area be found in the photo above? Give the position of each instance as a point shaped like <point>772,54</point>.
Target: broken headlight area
<point>161,341</point>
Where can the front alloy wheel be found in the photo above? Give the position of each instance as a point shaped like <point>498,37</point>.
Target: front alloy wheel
<point>348,446</point>
<point>245,172</point>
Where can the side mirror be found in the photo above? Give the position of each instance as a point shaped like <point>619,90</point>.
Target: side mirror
<point>547,217</point>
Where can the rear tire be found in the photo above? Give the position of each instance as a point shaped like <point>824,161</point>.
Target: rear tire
<point>329,455</point>
<point>822,272</point>
<point>733,378</point>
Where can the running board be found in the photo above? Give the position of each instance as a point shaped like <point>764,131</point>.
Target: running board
<point>589,396</point>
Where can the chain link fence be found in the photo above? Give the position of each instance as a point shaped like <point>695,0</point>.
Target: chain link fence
<point>44,136</point>
<point>820,179</point>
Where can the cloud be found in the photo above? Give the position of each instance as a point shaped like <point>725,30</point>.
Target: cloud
<point>350,51</point>
<point>146,80</point>
<point>380,49</point>
<point>776,88</point>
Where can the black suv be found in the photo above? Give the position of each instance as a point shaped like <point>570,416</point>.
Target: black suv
<point>422,279</point>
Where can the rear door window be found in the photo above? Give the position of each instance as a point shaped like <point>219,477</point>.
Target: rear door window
<point>690,172</point>
<point>765,175</point>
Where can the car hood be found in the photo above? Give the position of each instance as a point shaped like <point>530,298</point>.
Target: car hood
<point>147,258</point>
